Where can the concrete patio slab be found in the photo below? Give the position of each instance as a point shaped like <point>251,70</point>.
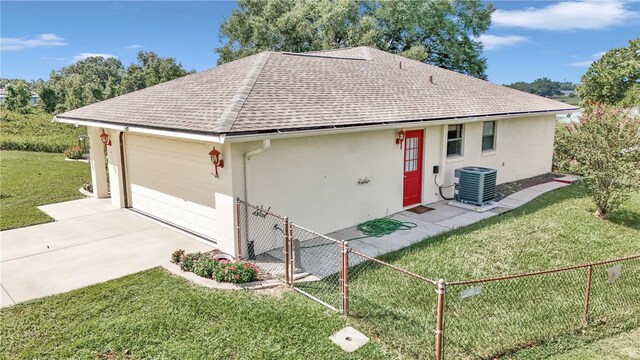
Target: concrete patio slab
<point>457,221</point>
<point>548,186</point>
<point>525,195</point>
<point>511,203</point>
<point>71,209</point>
<point>84,250</point>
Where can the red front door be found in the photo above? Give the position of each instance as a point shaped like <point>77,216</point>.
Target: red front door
<point>412,189</point>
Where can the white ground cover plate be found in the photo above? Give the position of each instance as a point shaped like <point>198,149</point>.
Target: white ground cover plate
<point>349,339</point>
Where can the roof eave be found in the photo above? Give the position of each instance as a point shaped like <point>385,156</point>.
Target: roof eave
<point>146,130</point>
<point>335,129</point>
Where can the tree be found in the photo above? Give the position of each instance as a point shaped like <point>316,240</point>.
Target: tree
<point>614,79</point>
<point>521,85</point>
<point>606,151</point>
<point>17,96</point>
<point>48,97</point>
<point>543,87</point>
<point>97,78</point>
<point>150,70</point>
<point>439,32</point>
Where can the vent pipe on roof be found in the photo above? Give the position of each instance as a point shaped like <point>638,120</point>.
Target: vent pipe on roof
<point>431,79</point>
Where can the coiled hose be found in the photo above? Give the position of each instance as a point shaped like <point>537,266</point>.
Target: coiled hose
<point>382,227</point>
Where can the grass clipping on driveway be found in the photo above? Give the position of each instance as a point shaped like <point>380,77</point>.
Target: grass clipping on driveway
<point>32,179</point>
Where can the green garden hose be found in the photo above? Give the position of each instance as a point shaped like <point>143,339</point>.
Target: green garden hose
<point>382,227</point>
<point>375,228</point>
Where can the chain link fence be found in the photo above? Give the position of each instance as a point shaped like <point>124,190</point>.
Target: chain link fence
<point>404,320</point>
<point>260,237</point>
<point>317,266</point>
<point>487,318</point>
<point>418,317</point>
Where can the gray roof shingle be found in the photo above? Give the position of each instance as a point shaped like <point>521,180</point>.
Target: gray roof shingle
<point>284,91</point>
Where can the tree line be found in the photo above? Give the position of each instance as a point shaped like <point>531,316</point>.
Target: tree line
<point>90,80</point>
<point>544,87</point>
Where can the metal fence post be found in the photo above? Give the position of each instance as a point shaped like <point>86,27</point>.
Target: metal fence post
<point>344,276</point>
<point>292,263</point>
<point>440,319</point>
<point>238,231</point>
<point>286,238</point>
<point>585,315</point>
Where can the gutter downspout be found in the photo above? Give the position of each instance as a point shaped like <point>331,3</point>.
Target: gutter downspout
<point>266,144</point>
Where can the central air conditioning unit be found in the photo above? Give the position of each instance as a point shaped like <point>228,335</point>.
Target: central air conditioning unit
<point>475,185</point>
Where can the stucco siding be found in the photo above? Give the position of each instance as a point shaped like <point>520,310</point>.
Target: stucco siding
<point>524,148</point>
<point>314,180</point>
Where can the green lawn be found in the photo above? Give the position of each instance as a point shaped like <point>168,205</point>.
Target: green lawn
<point>621,346</point>
<point>152,315</point>
<point>30,179</point>
<point>36,132</point>
<point>555,230</point>
<point>571,100</point>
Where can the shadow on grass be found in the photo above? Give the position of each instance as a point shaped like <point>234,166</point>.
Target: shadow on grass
<point>626,218</point>
<point>575,191</point>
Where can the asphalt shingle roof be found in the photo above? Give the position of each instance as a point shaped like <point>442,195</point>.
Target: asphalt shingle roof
<point>285,91</point>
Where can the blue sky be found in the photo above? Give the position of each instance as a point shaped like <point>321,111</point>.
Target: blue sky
<point>527,40</point>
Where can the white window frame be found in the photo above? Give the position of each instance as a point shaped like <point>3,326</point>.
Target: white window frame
<point>461,139</point>
<point>495,132</point>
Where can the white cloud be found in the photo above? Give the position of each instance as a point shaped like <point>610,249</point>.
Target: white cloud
<point>36,41</point>
<point>135,46</point>
<point>492,42</point>
<point>587,63</point>
<point>567,15</point>
<point>83,56</point>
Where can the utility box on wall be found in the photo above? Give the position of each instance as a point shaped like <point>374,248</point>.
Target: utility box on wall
<point>475,185</point>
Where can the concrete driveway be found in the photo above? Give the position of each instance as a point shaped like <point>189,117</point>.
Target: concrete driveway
<point>90,242</point>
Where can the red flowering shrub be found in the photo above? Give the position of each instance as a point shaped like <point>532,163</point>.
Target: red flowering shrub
<point>74,152</point>
<point>221,270</point>
<point>235,272</point>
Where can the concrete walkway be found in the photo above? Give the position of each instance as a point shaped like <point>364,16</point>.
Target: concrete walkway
<point>90,242</point>
<point>323,260</point>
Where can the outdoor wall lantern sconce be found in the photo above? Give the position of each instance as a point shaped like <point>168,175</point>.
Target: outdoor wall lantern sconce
<point>216,160</point>
<point>104,137</point>
<point>400,138</point>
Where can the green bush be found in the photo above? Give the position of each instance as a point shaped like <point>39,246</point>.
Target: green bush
<point>189,260</point>
<point>606,148</point>
<point>74,152</point>
<point>36,132</point>
<point>235,272</point>
<point>177,256</point>
<point>563,152</point>
<point>204,266</point>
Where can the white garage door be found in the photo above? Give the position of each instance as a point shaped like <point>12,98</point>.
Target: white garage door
<point>171,180</point>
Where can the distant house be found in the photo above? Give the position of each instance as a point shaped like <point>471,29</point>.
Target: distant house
<point>567,92</point>
<point>34,100</point>
<point>299,131</point>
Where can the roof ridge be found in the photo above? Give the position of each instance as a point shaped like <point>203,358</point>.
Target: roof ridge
<point>232,110</point>
<point>321,56</point>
